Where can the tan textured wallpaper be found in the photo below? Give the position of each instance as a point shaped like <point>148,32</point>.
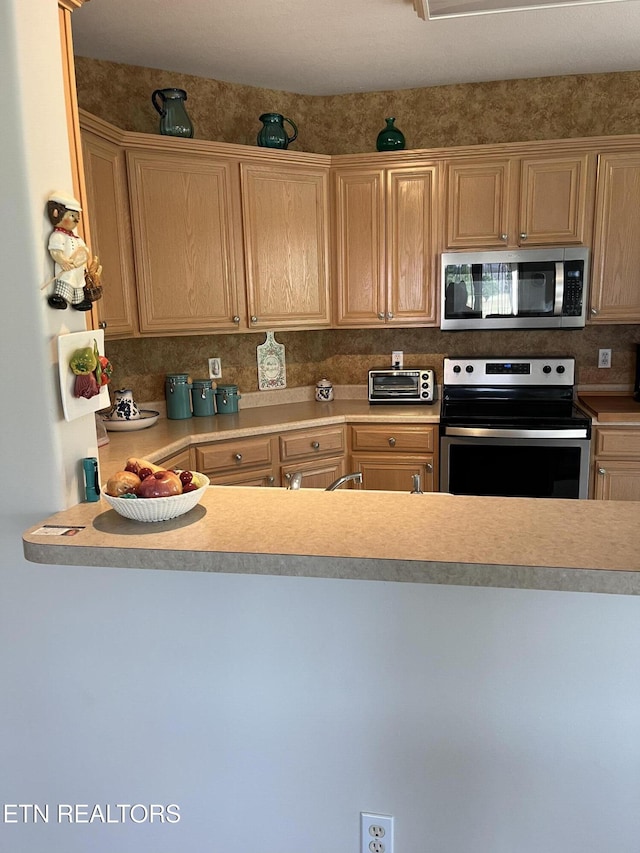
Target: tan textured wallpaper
<point>508,111</point>
<point>504,111</point>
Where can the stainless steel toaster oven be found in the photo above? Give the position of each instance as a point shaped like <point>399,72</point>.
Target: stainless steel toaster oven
<point>402,385</point>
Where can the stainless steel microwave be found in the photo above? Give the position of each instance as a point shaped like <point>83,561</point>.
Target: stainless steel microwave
<point>524,289</point>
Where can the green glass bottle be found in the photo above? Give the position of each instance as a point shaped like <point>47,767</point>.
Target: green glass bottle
<point>390,139</point>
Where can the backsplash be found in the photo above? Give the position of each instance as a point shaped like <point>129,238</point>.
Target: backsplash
<point>345,356</point>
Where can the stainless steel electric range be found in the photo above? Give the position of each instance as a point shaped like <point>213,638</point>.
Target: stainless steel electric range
<point>510,427</point>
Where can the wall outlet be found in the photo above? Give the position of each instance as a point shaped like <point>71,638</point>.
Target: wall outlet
<point>397,358</point>
<point>215,368</point>
<point>376,833</point>
<point>604,358</point>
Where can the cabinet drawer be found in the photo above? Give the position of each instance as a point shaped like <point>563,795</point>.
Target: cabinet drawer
<point>312,443</point>
<point>398,438</point>
<point>617,443</point>
<point>234,455</point>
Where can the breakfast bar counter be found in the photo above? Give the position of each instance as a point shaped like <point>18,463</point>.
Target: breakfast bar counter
<point>587,546</point>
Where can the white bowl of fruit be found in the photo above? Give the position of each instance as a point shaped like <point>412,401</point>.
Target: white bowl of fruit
<point>144,491</point>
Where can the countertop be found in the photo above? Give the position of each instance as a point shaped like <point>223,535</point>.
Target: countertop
<point>167,437</point>
<point>386,536</point>
<point>611,409</point>
<point>586,546</point>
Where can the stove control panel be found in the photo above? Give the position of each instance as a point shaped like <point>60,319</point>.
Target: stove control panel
<point>538,370</point>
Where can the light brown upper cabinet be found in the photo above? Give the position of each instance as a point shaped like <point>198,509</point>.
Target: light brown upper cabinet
<point>286,242</point>
<point>108,213</point>
<point>185,211</point>
<point>386,227</point>
<point>615,287</point>
<point>493,202</point>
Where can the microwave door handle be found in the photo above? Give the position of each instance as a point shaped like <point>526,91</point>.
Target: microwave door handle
<point>559,300</point>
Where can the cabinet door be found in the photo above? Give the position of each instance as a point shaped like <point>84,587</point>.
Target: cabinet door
<point>181,460</point>
<point>360,294</point>
<point>110,225</point>
<point>285,215</point>
<point>411,237</point>
<point>392,473</point>
<point>615,285</point>
<point>479,206</point>
<point>184,222</point>
<point>317,474</point>
<point>617,480</point>
<point>556,200</point>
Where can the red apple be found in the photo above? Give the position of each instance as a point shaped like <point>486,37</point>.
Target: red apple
<point>162,484</point>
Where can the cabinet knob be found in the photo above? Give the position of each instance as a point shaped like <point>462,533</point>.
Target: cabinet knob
<point>381,315</point>
<point>602,471</point>
<point>429,466</point>
<point>102,324</point>
<point>392,442</point>
<point>523,235</point>
<point>236,319</point>
<point>315,445</point>
<point>254,319</point>
<point>594,311</point>
<point>504,237</point>
<point>287,476</point>
<point>238,457</point>
<point>389,315</point>
<point>271,479</point>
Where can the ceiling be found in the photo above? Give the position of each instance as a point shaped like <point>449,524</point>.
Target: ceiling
<point>330,47</point>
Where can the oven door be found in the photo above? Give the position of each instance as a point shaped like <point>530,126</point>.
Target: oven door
<point>514,463</point>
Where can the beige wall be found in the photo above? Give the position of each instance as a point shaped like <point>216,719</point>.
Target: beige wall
<point>544,108</point>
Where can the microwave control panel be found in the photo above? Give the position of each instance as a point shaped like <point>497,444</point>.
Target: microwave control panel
<point>573,289</point>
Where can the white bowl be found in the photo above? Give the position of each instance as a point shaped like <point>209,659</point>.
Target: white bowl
<point>157,509</point>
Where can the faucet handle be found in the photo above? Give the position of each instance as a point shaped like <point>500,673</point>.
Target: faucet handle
<point>416,490</point>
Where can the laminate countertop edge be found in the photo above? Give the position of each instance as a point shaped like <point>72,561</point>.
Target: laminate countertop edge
<point>563,545</point>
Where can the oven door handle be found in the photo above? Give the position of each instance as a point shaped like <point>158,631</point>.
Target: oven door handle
<point>496,432</point>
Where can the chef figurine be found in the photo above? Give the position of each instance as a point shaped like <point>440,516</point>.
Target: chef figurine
<point>70,253</point>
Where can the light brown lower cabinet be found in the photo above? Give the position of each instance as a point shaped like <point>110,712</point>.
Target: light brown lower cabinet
<point>616,464</point>
<point>239,462</point>
<point>183,460</point>
<point>316,474</point>
<point>319,454</point>
<point>389,456</point>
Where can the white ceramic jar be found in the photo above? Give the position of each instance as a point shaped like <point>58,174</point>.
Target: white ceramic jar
<point>324,391</point>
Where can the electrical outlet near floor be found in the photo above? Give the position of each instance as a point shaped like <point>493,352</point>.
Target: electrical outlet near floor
<point>376,833</point>
<point>604,358</point>
<point>215,368</point>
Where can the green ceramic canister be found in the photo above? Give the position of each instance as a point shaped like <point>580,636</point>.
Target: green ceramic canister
<point>227,399</point>
<point>202,397</point>
<point>177,390</point>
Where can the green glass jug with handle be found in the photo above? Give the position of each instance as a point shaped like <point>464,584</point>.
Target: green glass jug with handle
<point>272,134</point>
<point>174,120</point>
